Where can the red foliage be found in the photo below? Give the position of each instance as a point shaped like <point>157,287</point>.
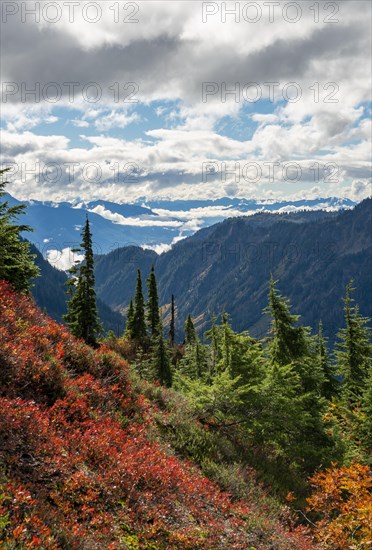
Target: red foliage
<point>81,468</point>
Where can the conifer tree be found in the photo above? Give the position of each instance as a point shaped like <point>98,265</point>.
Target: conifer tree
<point>172,325</point>
<point>139,331</point>
<point>82,316</point>
<point>190,333</point>
<point>16,263</point>
<point>289,341</point>
<point>194,363</point>
<point>153,316</point>
<point>161,358</point>
<point>213,336</point>
<point>354,349</point>
<point>226,346</point>
<point>331,385</point>
<point>130,320</point>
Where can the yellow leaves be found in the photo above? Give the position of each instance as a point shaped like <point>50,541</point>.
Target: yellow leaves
<point>343,497</point>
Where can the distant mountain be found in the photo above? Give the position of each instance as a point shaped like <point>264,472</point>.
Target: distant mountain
<point>228,266</point>
<point>156,224</point>
<point>49,292</point>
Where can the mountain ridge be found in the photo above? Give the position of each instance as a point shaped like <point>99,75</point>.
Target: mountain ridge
<point>57,225</point>
<point>235,258</point>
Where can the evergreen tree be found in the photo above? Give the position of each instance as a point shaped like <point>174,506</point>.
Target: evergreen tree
<point>172,325</point>
<point>213,336</point>
<point>194,363</point>
<point>153,316</point>
<point>354,349</point>
<point>82,316</point>
<point>139,331</point>
<point>161,358</point>
<point>130,320</point>
<point>190,333</point>
<point>226,347</point>
<point>292,421</point>
<point>16,263</point>
<point>331,385</point>
<point>291,343</point>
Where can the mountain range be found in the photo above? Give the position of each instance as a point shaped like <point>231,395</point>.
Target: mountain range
<point>152,224</point>
<point>227,266</point>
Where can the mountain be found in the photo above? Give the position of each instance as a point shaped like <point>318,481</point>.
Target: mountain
<point>49,291</point>
<point>157,224</point>
<point>228,266</point>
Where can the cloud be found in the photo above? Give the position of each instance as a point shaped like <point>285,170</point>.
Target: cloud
<point>163,247</point>
<point>164,60</point>
<point>80,123</point>
<point>138,222</point>
<point>359,190</point>
<point>265,118</point>
<point>115,119</point>
<point>63,259</point>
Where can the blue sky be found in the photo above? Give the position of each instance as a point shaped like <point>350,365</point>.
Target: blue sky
<point>180,61</point>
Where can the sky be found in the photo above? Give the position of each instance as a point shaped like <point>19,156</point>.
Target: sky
<point>136,101</point>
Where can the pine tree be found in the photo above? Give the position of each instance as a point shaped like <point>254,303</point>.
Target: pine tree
<point>213,336</point>
<point>153,316</point>
<point>190,333</point>
<point>139,331</point>
<point>291,343</point>
<point>331,385</point>
<point>82,316</point>
<point>194,363</point>
<point>354,349</point>
<point>130,320</point>
<point>172,325</point>
<point>226,344</point>
<point>161,358</point>
<point>16,263</point>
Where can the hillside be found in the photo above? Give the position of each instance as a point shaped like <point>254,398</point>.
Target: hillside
<point>82,462</point>
<point>228,266</point>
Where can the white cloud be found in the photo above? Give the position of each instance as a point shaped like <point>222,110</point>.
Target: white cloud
<point>80,123</point>
<point>359,190</point>
<point>169,54</point>
<point>163,247</point>
<point>63,259</point>
<point>265,118</point>
<point>138,222</point>
<point>115,120</point>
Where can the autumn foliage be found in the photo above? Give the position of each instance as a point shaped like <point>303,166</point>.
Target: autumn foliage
<point>81,466</point>
<point>343,498</point>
